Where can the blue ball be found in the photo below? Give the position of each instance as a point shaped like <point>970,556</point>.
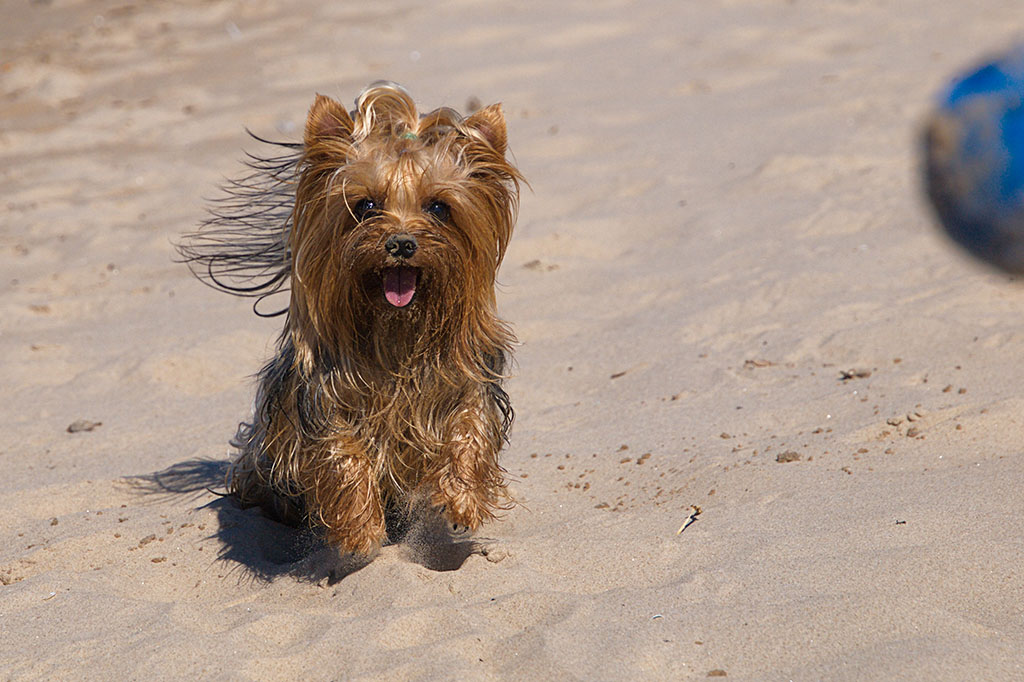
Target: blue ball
<point>974,161</point>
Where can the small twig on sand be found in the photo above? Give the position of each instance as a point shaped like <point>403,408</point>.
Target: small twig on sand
<point>690,519</point>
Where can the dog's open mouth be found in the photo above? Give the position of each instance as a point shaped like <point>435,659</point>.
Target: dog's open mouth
<point>400,285</point>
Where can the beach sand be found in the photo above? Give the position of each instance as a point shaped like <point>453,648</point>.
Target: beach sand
<point>728,293</point>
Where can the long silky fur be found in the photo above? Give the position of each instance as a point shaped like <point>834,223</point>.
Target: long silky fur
<point>242,247</point>
<point>355,414</point>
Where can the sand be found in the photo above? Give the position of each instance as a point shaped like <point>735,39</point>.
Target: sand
<point>728,293</point>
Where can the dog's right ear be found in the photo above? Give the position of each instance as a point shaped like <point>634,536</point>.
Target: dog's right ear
<point>327,118</point>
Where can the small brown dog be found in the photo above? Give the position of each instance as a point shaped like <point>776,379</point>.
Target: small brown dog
<point>385,389</point>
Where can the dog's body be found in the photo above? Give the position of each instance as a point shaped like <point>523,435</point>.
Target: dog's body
<point>386,385</point>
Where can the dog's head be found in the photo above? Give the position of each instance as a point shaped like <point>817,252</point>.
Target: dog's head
<point>398,218</point>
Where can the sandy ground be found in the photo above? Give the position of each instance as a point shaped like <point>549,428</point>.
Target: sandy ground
<point>727,293</point>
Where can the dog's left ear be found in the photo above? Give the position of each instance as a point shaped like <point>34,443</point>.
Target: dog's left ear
<point>327,118</point>
<point>490,124</point>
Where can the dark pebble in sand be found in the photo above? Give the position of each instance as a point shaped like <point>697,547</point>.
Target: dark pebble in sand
<point>82,425</point>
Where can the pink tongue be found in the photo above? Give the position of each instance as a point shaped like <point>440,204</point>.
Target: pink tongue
<point>399,286</point>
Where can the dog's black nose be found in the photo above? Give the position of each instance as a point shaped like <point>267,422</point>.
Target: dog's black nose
<point>401,245</point>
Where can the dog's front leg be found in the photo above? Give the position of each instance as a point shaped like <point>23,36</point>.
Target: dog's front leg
<point>468,481</point>
<point>344,496</point>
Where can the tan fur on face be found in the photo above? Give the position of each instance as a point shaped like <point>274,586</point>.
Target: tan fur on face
<point>367,406</point>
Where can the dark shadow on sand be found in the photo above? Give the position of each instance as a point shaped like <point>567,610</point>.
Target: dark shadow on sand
<point>266,549</point>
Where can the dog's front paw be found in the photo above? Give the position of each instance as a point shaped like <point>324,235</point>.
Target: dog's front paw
<point>462,506</point>
<point>362,541</point>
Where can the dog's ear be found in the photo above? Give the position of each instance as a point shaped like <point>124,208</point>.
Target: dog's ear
<point>327,118</point>
<point>490,124</point>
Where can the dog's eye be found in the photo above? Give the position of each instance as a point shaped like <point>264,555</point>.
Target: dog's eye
<point>438,210</point>
<point>364,209</point>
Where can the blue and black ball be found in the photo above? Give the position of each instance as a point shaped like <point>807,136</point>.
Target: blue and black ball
<point>974,161</point>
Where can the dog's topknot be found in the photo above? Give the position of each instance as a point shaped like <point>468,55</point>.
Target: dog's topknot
<point>386,108</point>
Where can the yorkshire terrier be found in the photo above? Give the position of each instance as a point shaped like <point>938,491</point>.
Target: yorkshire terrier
<point>385,391</point>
